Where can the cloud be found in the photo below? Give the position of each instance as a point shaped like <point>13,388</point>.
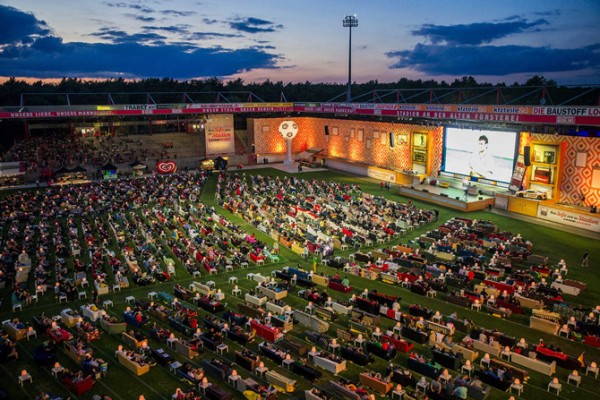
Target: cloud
<point>20,27</point>
<point>209,21</point>
<point>176,29</point>
<point>119,36</point>
<point>142,18</point>
<point>476,33</point>
<point>495,60</point>
<point>31,50</point>
<point>253,25</point>
<point>137,7</point>
<point>211,35</point>
<point>178,13</point>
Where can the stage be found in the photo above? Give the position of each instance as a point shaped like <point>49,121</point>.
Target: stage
<point>451,192</point>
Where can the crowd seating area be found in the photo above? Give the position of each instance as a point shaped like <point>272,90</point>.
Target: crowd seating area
<point>144,277</point>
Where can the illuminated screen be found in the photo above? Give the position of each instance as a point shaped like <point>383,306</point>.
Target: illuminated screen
<point>480,154</point>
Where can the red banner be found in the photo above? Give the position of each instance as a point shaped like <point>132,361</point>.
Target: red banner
<point>166,167</point>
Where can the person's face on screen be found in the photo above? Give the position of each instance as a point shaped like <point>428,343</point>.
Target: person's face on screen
<point>482,146</point>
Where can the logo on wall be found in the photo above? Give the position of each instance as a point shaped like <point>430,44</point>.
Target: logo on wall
<point>166,167</point>
<point>288,129</point>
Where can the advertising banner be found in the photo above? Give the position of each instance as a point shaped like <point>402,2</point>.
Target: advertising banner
<point>583,221</point>
<point>166,166</point>
<point>219,134</point>
<point>518,174</point>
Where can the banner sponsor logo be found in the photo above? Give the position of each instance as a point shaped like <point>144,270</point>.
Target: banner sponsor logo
<point>570,218</point>
<point>166,167</point>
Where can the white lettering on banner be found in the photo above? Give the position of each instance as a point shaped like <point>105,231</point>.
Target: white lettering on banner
<point>139,107</point>
<point>570,218</point>
<point>219,137</point>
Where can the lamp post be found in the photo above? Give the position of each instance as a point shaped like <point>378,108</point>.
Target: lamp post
<point>350,21</point>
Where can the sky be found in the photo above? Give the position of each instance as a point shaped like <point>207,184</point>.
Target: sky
<point>303,40</point>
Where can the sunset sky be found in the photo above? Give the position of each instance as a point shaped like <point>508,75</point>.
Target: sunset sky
<point>296,41</point>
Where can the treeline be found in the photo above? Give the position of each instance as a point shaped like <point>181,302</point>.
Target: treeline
<point>537,90</point>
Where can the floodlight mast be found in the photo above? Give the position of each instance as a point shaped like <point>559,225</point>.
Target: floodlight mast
<point>350,21</point>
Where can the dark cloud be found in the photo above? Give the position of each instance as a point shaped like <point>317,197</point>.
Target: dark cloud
<point>476,33</point>
<point>253,25</point>
<point>30,50</point>
<point>211,35</point>
<point>137,7</point>
<point>495,60</point>
<point>119,36</point>
<point>20,27</point>
<point>178,13</point>
<point>209,21</point>
<point>178,29</point>
<point>133,60</point>
<point>142,18</point>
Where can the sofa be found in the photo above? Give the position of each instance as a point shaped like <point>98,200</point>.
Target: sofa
<point>131,365</point>
<point>305,371</point>
<point>423,368</point>
<point>415,335</point>
<point>320,280</point>
<point>78,387</point>
<point>335,367</point>
<point>15,331</point>
<point>188,348</point>
<point>266,332</point>
<point>247,361</point>
<point>279,380</point>
<point>133,341</point>
<point>401,345</point>
<point>257,301</point>
<point>387,351</point>
<point>311,321</point>
<point>478,392</point>
<point>290,344</point>
<point>357,357</point>
<point>372,382</point>
<point>74,354</point>
<point>216,392</point>
<point>534,364</point>
<point>113,328</point>
<point>544,325</point>
<point>273,294</point>
<point>344,391</point>
<point>211,341</point>
<point>447,360</point>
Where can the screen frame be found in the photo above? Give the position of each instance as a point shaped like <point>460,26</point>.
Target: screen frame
<point>498,182</point>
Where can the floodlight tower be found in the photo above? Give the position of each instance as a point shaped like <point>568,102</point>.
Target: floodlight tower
<point>350,21</point>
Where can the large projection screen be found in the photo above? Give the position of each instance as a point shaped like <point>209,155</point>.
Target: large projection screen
<point>219,134</point>
<point>481,154</point>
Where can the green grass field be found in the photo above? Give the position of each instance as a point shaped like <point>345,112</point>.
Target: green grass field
<point>159,383</point>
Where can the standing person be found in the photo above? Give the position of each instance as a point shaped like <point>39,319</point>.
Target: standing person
<point>585,260</point>
<point>95,296</point>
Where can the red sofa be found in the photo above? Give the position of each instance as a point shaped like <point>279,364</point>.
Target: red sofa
<point>401,345</point>
<point>266,332</point>
<point>80,387</point>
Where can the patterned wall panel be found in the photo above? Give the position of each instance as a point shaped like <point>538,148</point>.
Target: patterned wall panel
<point>358,141</point>
<point>575,180</point>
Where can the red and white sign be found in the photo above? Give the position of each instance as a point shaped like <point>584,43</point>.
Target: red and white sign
<point>219,134</point>
<point>166,167</point>
<point>571,218</point>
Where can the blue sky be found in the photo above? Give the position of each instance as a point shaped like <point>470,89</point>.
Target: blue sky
<point>296,41</point>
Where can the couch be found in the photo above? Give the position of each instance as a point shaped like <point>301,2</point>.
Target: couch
<point>279,380</point>
<point>478,392</point>
<point>266,332</point>
<point>305,371</point>
<point>188,348</point>
<point>311,321</point>
<point>423,368</point>
<point>344,391</point>
<point>273,294</point>
<point>544,325</point>
<point>78,387</point>
<point>447,360</point>
<point>294,346</point>
<point>257,301</point>
<point>357,357</point>
<point>374,383</point>
<point>113,328</point>
<point>15,331</point>
<point>387,351</point>
<point>131,365</point>
<point>247,361</point>
<point>215,392</point>
<point>401,345</point>
<point>330,365</point>
<point>534,364</point>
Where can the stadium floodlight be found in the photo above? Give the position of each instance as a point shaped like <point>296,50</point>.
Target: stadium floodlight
<point>350,21</point>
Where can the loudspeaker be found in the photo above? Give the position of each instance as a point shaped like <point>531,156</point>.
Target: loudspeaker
<point>527,155</point>
<point>425,190</point>
<point>457,198</point>
<point>326,130</point>
<point>443,195</point>
<point>392,139</point>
